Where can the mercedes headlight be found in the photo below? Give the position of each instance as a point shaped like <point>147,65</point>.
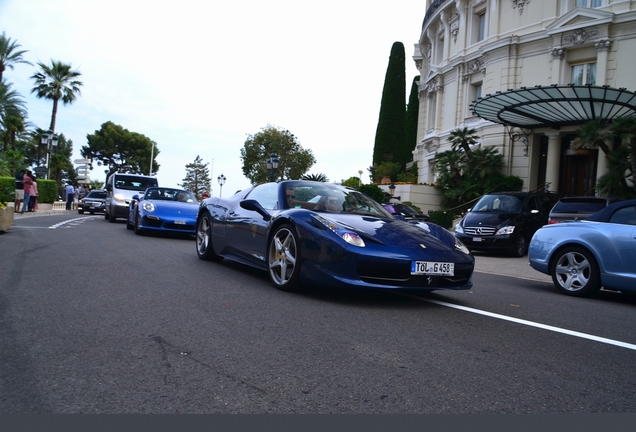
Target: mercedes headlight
<point>505,230</point>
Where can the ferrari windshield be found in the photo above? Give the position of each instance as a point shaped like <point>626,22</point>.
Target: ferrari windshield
<point>326,197</point>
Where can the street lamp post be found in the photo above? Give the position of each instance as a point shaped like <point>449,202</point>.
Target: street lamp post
<point>49,139</point>
<point>272,165</point>
<point>221,180</point>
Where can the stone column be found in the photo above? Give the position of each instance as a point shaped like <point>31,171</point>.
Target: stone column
<point>553,161</point>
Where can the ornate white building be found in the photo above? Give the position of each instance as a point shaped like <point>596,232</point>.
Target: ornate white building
<point>522,57</point>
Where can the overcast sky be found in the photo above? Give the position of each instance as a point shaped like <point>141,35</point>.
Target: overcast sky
<point>197,77</point>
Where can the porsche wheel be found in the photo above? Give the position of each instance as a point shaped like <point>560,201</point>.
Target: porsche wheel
<point>575,272</point>
<point>283,259</point>
<point>204,239</point>
<point>137,228</point>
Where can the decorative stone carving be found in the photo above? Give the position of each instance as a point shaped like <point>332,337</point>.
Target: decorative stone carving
<point>557,52</point>
<point>603,44</point>
<point>454,27</point>
<point>473,67</point>
<point>519,4</point>
<point>579,36</point>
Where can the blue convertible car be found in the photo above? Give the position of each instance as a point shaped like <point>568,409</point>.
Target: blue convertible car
<point>163,209</point>
<point>325,234</point>
<point>582,256</point>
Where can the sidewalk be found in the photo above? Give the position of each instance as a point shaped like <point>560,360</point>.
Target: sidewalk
<point>58,207</point>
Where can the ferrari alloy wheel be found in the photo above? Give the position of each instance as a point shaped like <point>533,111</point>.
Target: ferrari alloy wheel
<point>283,259</point>
<point>204,239</point>
<point>575,272</point>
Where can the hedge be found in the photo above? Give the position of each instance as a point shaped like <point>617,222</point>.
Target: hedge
<point>47,190</point>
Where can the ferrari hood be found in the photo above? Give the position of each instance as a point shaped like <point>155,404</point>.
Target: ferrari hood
<point>397,233</point>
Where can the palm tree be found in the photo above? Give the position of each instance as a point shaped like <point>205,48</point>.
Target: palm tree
<point>595,133</point>
<point>625,128</point>
<point>56,82</point>
<point>11,103</point>
<point>9,54</point>
<point>463,138</point>
<point>315,177</point>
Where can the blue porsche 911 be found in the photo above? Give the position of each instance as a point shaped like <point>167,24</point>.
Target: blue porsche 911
<point>305,232</point>
<point>583,256</point>
<point>163,209</point>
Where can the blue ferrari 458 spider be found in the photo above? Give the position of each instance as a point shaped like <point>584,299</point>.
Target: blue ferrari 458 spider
<point>583,256</point>
<point>305,232</point>
<point>163,209</point>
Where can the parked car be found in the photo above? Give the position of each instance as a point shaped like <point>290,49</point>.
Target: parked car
<point>351,242</point>
<point>583,256</point>
<point>505,221</point>
<point>93,202</point>
<point>163,209</point>
<point>578,208</point>
<point>405,212</point>
<point>120,189</point>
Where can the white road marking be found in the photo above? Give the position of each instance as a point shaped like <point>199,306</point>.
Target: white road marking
<point>529,323</point>
<point>73,222</point>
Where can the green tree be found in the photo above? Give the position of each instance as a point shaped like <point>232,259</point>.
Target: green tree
<point>10,54</point>
<point>390,132</point>
<point>412,112</point>
<point>11,102</point>
<point>120,150</point>
<point>352,182</point>
<point>56,82</point>
<point>197,179</point>
<point>595,133</point>
<point>315,177</point>
<point>463,138</point>
<point>294,160</point>
<point>625,129</point>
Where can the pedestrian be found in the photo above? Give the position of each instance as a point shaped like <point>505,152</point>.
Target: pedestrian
<point>81,192</point>
<point>27,181</point>
<point>33,202</point>
<point>19,191</point>
<point>76,199</point>
<point>70,192</point>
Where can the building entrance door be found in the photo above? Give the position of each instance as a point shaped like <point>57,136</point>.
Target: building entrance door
<point>578,174</point>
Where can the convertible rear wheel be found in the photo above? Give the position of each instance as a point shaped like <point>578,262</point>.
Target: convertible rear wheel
<point>283,259</point>
<point>575,272</point>
<point>204,239</point>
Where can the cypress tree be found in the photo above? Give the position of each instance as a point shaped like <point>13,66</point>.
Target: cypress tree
<point>390,133</point>
<point>411,120</point>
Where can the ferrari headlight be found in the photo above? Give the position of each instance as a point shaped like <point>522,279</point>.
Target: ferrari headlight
<point>343,232</point>
<point>505,230</point>
<point>460,246</point>
<point>148,206</point>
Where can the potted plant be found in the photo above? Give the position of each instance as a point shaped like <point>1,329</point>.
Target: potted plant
<point>6,212</point>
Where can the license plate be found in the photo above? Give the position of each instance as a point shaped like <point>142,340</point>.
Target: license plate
<point>477,239</point>
<point>180,222</point>
<point>432,268</point>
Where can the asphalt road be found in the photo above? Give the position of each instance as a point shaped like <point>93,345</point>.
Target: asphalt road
<point>94,319</point>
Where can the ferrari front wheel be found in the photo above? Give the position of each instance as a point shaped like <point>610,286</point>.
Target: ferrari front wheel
<point>283,259</point>
<point>205,250</point>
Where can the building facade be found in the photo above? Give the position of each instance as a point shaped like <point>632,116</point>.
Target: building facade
<point>469,49</point>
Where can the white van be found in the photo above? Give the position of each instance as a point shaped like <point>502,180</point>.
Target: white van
<point>120,188</point>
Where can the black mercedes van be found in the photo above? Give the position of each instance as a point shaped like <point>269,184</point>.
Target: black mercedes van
<point>505,221</point>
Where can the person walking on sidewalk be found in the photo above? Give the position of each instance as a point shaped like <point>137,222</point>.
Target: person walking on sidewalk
<point>70,193</point>
<point>33,202</point>
<point>19,191</point>
<point>26,183</point>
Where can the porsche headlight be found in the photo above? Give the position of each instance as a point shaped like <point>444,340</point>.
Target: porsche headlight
<point>505,230</point>
<point>148,206</point>
<point>343,232</point>
<point>460,246</point>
